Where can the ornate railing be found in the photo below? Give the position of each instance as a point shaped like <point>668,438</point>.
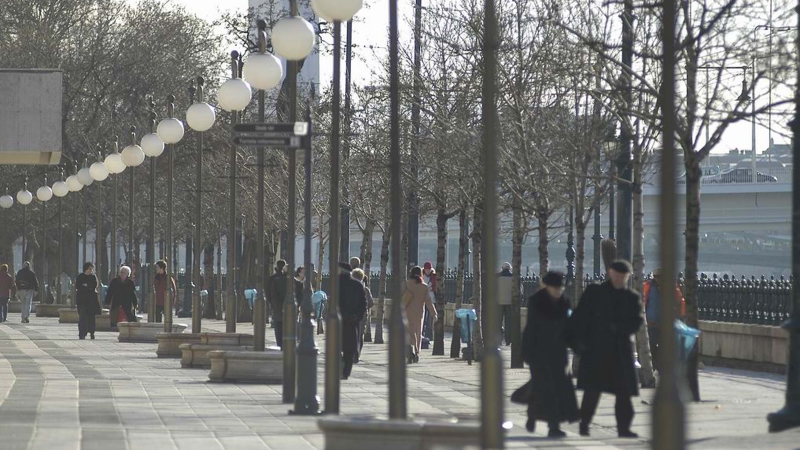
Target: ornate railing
<point>741,300</point>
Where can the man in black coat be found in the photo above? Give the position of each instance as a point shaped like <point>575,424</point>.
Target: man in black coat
<point>602,325</point>
<point>352,307</point>
<point>277,296</point>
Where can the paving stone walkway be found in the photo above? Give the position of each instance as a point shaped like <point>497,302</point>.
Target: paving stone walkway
<point>59,392</point>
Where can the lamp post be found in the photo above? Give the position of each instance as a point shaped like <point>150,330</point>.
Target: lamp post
<point>44,194</point>
<point>74,185</point>
<point>99,172</point>
<point>84,177</point>
<point>132,156</point>
<point>115,166</point>
<point>789,415</point>
<point>170,130</point>
<point>200,117</point>
<point>570,254</point>
<point>60,190</point>
<point>625,158</point>
<point>24,197</point>
<point>152,146</point>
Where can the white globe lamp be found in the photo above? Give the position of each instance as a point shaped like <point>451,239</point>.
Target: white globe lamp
<point>85,176</point>
<point>337,10</point>
<point>60,189</point>
<point>6,201</point>
<point>98,171</point>
<point>44,193</point>
<point>263,70</point>
<point>152,145</point>
<point>234,95</point>
<point>200,117</point>
<point>24,197</point>
<point>74,184</point>
<point>114,163</point>
<point>170,130</point>
<point>132,156</point>
<point>293,38</point>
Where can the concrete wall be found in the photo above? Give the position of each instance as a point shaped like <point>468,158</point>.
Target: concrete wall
<point>732,342</point>
<point>30,116</point>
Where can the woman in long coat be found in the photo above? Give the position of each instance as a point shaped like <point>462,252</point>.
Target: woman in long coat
<point>544,347</point>
<point>121,296</point>
<point>87,302</point>
<point>415,300</point>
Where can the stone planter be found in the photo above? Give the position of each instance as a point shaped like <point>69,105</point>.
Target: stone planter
<point>69,315</point>
<point>196,354</point>
<point>246,366</point>
<point>144,331</point>
<point>353,433</point>
<point>236,339</point>
<point>48,310</point>
<point>169,343</point>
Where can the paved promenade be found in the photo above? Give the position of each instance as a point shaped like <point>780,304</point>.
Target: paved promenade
<point>59,392</point>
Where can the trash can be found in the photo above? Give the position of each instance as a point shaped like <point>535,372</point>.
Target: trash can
<point>467,318</point>
<point>250,295</point>
<point>686,337</point>
<point>203,298</point>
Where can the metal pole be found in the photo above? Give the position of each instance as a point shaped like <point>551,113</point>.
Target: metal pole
<point>344,243</point>
<point>197,313</point>
<point>753,114</point>
<point>492,434</point>
<point>85,229</point>
<point>230,289</point>
<point>290,305</point>
<point>98,225</point>
<point>333,343</point>
<point>151,244</point>
<point>169,296</point>
<point>113,266</point>
<point>307,401</point>
<point>413,199</point>
<point>668,415</point>
<point>624,162</point>
<point>789,416</point>
<point>131,205</point>
<point>571,251</point>
<point>259,316</point>
<point>398,402</point>
<point>25,227</point>
<point>597,238</point>
<point>59,300</point>
<point>45,275</point>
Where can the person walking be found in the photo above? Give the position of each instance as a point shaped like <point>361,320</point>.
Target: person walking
<point>361,277</point>
<point>121,297</point>
<point>299,279</point>
<point>277,297</point>
<point>352,307</point>
<point>551,395</point>
<point>161,288</point>
<point>415,301</point>
<point>88,304</point>
<point>27,287</point>
<point>7,290</point>
<point>651,298</point>
<point>504,293</point>
<point>602,326</point>
<point>429,278</point>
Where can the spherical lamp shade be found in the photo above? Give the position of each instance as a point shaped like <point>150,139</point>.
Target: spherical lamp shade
<point>98,171</point>
<point>74,184</point>
<point>114,163</point>
<point>263,70</point>
<point>132,156</point>
<point>85,176</point>
<point>24,197</point>
<point>44,193</point>
<point>152,145</point>
<point>170,130</point>
<point>200,117</point>
<point>234,95</point>
<point>293,38</point>
<point>337,10</point>
<point>6,201</point>
<point>60,189</point>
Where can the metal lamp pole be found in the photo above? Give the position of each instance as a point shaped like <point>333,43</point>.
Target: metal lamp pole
<point>625,158</point>
<point>169,295</point>
<point>197,313</point>
<point>59,300</point>
<point>571,251</point>
<point>43,293</point>
<point>151,243</point>
<point>789,416</point>
<point>113,264</point>
<point>25,226</point>
<point>230,289</point>
<point>131,205</point>
<point>259,315</point>
<point>98,225</point>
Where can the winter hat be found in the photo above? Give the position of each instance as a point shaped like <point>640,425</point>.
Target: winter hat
<point>428,266</point>
<point>506,266</point>
<point>556,279</point>
<point>621,266</point>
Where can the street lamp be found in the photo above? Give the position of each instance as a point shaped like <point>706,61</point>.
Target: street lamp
<point>293,39</point>
<point>6,201</point>
<point>60,190</point>
<point>24,197</point>
<point>44,194</point>
<point>200,117</point>
<point>132,156</point>
<point>338,11</point>
<point>115,166</point>
<point>170,130</point>
<point>152,146</point>
<point>98,172</point>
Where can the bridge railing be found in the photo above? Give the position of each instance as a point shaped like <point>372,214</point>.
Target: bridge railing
<point>741,300</point>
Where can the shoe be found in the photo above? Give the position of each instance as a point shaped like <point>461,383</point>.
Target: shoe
<point>416,358</point>
<point>627,434</point>
<point>556,433</point>
<point>530,425</point>
<point>584,429</point>
<point>83,338</point>
<point>92,336</point>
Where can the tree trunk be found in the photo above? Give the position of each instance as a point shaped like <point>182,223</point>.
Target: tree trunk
<point>647,377</point>
<point>441,248</point>
<point>580,251</point>
<point>693,174</point>
<point>210,310</point>
<point>269,263</point>
<point>463,242</point>
<point>477,270</point>
<point>321,260</point>
<point>247,278</point>
<point>518,234</point>
<point>218,277</point>
<point>382,286</point>
<point>366,262</point>
<point>544,240</point>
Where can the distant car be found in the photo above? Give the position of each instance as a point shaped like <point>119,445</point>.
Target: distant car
<point>744,176</point>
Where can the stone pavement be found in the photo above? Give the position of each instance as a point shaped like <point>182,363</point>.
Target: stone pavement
<point>61,393</point>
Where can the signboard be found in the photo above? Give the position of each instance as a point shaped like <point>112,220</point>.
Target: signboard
<point>269,141</point>
<point>297,128</point>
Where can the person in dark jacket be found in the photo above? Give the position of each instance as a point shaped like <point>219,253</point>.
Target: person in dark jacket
<point>86,300</point>
<point>277,296</point>
<point>121,296</point>
<point>352,307</point>
<point>27,287</point>
<point>161,289</point>
<point>603,325</point>
<point>299,279</point>
<point>544,347</point>
<point>7,289</point>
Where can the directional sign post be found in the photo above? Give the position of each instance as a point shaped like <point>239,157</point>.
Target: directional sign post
<point>269,141</point>
<point>296,129</point>
<point>283,135</point>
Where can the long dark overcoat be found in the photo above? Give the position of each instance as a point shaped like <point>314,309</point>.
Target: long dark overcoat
<point>544,348</point>
<point>601,329</point>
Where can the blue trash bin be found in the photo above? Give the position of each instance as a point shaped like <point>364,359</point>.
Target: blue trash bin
<point>686,337</point>
<point>467,318</point>
<point>250,295</point>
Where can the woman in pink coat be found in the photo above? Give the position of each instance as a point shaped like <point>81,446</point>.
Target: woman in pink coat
<point>415,300</point>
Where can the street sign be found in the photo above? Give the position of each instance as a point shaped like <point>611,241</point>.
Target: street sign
<point>297,128</point>
<point>267,141</point>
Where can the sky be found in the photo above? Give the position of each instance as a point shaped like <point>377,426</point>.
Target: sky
<point>372,24</point>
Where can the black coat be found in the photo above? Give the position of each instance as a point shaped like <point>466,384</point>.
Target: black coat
<point>122,294</point>
<point>602,326</point>
<point>26,280</point>
<point>544,348</point>
<point>86,294</point>
<point>352,299</point>
<point>277,295</point>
